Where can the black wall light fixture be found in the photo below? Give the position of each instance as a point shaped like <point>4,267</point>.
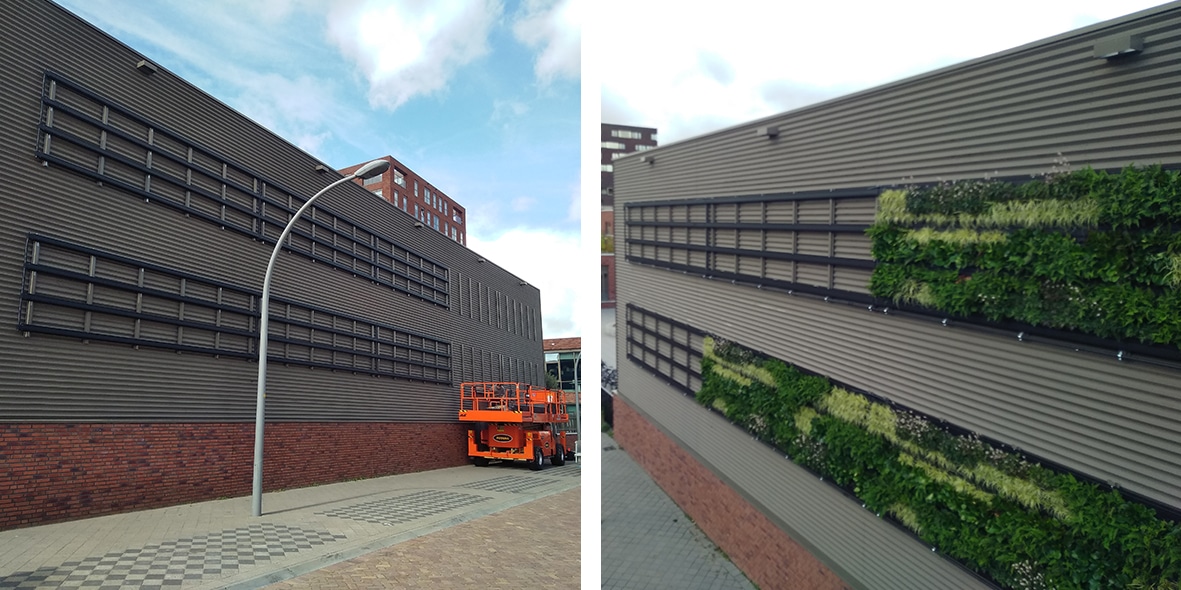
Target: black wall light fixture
<point>768,131</point>
<point>1118,46</point>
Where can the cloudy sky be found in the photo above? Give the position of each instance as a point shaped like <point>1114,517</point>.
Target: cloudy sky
<point>480,97</point>
<point>688,71</point>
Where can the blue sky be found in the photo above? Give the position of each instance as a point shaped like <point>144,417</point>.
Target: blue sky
<point>754,59</point>
<point>480,97</point>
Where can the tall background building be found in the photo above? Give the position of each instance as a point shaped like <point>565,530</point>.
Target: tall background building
<point>617,141</point>
<point>411,193</point>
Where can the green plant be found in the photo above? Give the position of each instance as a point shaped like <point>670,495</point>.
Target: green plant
<point>1084,250</point>
<point>1023,525</point>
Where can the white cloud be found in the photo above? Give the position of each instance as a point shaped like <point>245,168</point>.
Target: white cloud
<point>555,27</point>
<point>689,71</point>
<point>574,210</point>
<point>508,109</point>
<point>522,204</point>
<point>265,38</point>
<point>411,48</point>
<point>546,259</point>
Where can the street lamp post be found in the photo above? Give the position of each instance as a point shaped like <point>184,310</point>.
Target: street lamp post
<point>367,171</point>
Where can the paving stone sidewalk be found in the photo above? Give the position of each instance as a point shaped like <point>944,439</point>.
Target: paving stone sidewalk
<point>535,545</point>
<point>219,544</point>
<point>648,542</point>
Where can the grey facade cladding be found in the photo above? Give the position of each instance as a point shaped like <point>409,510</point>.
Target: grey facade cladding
<point>138,216</point>
<point>717,230</point>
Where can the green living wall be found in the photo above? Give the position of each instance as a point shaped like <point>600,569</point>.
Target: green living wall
<point>1023,525</point>
<point>1090,251</point>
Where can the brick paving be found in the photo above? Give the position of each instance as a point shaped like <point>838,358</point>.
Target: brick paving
<point>217,544</point>
<point>648,542</point>
<point>534,545</point>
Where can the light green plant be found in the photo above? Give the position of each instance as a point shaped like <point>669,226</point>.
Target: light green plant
<point>959,484</point>
<point>724,371</point>
<point>881,421</point>
<point>1020,490</point>
<point>742,373</point>
<point>912,291</point>
<point>1044,213</point>
<point>959,237</point>
<point>803,420</point>
<point>892,207</point>
<point>1037,213</point>
<point>1173,276</point>
<point>906,515</point>
<point>847,406</point>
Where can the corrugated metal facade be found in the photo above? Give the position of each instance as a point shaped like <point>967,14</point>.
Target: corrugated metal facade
<point>138,216</point>
<point>717,230</point>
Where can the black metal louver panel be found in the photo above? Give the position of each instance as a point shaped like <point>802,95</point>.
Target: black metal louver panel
<point>90,135</point>
<point>665,347</point>
<point>808,243</point>
<point>76,291</point>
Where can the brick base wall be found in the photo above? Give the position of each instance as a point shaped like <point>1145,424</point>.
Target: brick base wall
<point>55,472</point>
<point>760,549</point>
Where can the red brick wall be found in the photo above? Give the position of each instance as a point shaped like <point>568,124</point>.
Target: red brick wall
<point>54,472</point>
<point>760,549</point>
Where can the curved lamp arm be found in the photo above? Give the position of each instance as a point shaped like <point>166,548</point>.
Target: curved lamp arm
<point>367,171</point>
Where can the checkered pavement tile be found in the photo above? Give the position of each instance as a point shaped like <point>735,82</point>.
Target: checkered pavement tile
<point>403,509</point>
<point>567,470</point>
<point>509,483</point>
<point>173,563</point>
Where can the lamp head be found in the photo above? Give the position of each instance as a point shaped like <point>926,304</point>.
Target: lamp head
<point>372,169</point>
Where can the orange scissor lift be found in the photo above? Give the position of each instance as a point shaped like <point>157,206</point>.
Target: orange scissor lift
<point>514,422</point>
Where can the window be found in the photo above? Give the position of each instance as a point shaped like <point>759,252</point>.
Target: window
<point>416,209</point>
<point>399,178</point>
<point>653,138</point>
<point>617,155</point>
<point>373,180</point>
<point>453,233</point>
<point>644,148</point>
<point>377,192</point>
<point>416,188</point>
<point>444,207</point>
<point>625,134</point>
<point>456,218</point>
<point>613,145</point>
<point>460,237</point>
<point>608,168</point>
<point>435,223</point>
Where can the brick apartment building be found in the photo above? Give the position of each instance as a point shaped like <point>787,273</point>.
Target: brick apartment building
<point>411,193</point>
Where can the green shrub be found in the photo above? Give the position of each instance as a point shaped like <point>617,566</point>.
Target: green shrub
<point>1086,251</point>
<point>1017,522</point>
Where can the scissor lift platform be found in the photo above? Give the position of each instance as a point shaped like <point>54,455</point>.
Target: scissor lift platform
<point>514,422</point>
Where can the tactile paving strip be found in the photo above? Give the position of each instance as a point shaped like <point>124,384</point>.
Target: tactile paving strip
<point>509,483</point>
<point>171,564</point>
<point>402,509</point>
<point>567,470</point>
